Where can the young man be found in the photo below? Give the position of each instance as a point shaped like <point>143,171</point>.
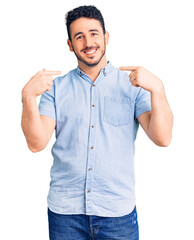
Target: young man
<point>95,110</point>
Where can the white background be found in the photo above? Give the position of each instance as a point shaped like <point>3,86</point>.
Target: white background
<point>155,34</point>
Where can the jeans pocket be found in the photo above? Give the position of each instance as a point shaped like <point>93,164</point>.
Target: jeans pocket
<point>118,111</point>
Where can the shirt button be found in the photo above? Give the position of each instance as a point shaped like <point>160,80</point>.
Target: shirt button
<point>94,85</point>
<point>92,126</point>
<point>93,105</point>
<point>91,147</point>
<point>89,169</point>
<point>88,190</point>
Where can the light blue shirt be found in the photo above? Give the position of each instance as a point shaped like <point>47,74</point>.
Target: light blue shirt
<point>93,156</point>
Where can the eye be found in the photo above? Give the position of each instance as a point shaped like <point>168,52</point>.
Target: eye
<point>79,37</point>
<point>94,34</point>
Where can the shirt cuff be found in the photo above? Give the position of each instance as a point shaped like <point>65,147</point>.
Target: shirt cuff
<point>142,110</point>
<point>48,113</point>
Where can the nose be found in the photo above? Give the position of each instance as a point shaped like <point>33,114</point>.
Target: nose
<point>88,41</point>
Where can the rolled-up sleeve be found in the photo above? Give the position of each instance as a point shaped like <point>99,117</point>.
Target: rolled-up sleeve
<point>47,103</point>
<point>143,102</point>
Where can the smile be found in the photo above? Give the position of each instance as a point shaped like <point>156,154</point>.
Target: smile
<point>90,52</point>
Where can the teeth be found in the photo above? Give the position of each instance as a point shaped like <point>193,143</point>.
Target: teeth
<point>90,52</point>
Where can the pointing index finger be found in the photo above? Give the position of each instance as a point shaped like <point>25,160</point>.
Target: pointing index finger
<point>52,72</point>
<point>128,68</point>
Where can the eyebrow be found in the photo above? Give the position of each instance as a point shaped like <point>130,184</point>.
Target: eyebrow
<point>91,30</point>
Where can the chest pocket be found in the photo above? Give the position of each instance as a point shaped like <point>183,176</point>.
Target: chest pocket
<point>118,111</point>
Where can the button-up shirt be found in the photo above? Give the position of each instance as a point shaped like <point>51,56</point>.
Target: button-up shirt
<point>93,155</point>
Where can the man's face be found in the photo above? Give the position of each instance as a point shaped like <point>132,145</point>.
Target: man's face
<point>88,41</point>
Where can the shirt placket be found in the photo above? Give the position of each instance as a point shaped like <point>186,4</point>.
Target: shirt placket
<point>91,140</point>
<point>91,148</point>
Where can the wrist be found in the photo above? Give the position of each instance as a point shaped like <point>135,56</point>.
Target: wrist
<point>26,97</point>
<point>159,89</point>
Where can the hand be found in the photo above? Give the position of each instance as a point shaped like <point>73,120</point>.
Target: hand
<point>39,83</point>
<point>141,77</point>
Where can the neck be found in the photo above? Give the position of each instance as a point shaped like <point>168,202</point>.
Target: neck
<point>93,72</point>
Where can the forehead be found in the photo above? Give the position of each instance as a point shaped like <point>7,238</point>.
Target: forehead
<point>85,24</point>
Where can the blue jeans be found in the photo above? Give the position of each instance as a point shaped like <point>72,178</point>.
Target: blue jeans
<point>91,227</point>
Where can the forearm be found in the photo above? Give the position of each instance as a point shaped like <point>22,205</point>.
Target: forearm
<point>161,122</point>
<point>32,125</point>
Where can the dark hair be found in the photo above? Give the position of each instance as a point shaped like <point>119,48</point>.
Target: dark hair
<point>83,11</point>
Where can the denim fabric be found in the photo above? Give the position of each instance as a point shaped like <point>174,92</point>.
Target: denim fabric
<point>90,227</point>
<point>93,155</point>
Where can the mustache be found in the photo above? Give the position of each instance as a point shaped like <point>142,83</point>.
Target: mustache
<point>89,48</point>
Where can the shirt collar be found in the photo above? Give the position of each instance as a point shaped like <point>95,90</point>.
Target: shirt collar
<point>105,70</point>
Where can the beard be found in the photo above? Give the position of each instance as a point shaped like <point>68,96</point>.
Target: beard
<point>80,58</point>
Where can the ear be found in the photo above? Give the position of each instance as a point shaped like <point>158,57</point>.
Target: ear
<point>107,37</point>
<point>70,45</point>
